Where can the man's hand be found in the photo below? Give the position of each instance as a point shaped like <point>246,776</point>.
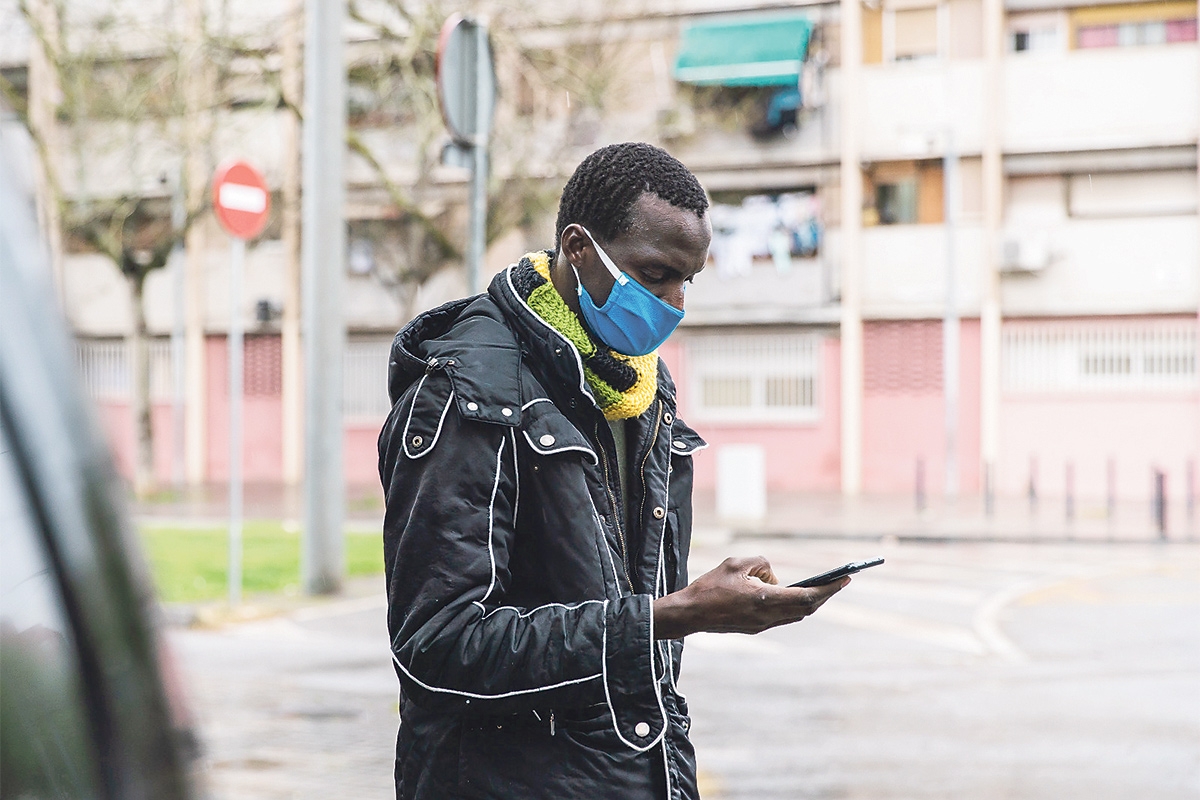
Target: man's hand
<point>739,596</point>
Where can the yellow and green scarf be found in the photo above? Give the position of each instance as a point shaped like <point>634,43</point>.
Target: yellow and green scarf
<point>623,385</point>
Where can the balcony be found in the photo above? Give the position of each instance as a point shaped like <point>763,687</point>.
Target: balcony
<point>1082,100</point>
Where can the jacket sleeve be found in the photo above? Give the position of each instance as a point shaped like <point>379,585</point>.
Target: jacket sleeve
<point>452,486</point>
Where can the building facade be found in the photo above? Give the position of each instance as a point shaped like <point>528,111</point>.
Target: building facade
<point>957,246</point>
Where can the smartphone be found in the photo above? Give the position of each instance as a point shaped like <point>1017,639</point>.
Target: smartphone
<point>841,572</point>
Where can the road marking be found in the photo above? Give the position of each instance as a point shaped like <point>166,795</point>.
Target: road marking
<point>987,621</point>
<point>940,634</point>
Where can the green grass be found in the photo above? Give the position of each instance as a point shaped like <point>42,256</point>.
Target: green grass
<point>189,564</point>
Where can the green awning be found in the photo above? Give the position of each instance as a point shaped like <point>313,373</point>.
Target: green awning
<point>744,51</point>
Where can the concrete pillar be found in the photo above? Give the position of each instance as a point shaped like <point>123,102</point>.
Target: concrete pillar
<point>851,245</point>
<point>993,219</point>
<point>292,80</point>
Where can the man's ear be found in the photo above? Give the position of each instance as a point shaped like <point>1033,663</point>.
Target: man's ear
<point>573,243</point>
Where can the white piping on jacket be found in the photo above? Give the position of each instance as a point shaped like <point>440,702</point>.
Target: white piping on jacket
<point>657,689</point>
<point>491,523</point>
<point>553,451</point>
<point>441,421</point>
<point>499,696</point>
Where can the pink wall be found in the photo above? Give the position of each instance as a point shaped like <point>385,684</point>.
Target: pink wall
<point>904,408</point>
<point>262,425</point>
<point>799,456</point>
<point>360,454</point>
<point>116,420</point>
<point>1138,432</point>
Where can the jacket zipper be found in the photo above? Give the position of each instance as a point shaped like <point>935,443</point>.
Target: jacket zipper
<point>612,498</point>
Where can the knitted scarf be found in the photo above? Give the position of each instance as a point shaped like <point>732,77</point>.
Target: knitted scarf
<point>624,386</point>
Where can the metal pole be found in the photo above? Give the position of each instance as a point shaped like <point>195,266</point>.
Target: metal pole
<point>479,158</point>
<point>950,324</point>
<point>851,250</point>
<point>237,261</point>
<point>993,213</point>
<point>178,354</point>
<point>323,255</point>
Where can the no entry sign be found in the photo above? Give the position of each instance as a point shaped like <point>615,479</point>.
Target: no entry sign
<point>241,199</point>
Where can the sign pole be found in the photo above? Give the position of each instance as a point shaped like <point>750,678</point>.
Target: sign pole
<point>237,262</point>
<point>242,203</point>
<point>466,84</point>
<point>479,151</point>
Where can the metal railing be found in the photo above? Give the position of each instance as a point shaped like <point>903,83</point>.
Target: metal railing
<point>1084,357</point>
<point>754,377</point>
<point>105,369</point>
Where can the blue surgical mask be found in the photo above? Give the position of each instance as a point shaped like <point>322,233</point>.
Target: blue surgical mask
<point>632,321</point>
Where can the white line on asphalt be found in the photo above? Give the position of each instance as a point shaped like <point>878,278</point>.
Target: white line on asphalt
<point>987,621</point>
<point>951,637</point>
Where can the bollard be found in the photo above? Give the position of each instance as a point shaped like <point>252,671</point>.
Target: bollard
<point>1033,492</point>
<point>1111,501</point>
<point>1191,492</point>
<point>989,491</point>
<point>1160,502</point>
<point>1070,492</point>
<point>920,485</point>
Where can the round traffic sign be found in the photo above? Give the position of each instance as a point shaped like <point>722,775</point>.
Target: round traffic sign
<point>466,79</point>
<point>241,199</point>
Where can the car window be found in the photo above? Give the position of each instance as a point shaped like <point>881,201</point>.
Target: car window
<point>45,741</point>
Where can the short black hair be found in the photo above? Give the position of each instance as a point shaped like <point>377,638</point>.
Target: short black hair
<point>601,193</point>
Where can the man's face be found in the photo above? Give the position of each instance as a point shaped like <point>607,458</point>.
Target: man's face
<point>663,250</point>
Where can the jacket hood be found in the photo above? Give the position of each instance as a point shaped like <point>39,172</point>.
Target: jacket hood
<point>469,341</point>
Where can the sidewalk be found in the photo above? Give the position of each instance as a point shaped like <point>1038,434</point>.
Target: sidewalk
<point>788,515</point>
<point>831,516</point>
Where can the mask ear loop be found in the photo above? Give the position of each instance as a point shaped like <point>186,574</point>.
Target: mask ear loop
<point>618,276</point>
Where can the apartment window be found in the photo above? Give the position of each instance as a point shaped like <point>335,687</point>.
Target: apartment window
<point>1134,25</point>
<point>755,377</point>
<point>915,34</point>
<point>1086,357</point>
<point>896,203</point>
<point>1035,40</point>
<point>905,193</point>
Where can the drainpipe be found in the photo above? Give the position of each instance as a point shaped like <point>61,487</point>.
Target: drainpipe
<point>993,211</point>
<point>851,305</point>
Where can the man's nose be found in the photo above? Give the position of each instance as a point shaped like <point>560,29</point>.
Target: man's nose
<point>674,296</point>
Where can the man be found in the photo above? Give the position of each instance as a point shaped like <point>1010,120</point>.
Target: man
<point>538,486</point>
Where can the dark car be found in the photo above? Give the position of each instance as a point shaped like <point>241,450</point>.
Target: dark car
<point>86,709</point>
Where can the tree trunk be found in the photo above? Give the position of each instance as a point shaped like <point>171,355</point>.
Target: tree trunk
<point>139,359</point>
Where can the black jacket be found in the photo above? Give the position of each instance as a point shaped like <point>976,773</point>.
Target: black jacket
<point>519,607</point>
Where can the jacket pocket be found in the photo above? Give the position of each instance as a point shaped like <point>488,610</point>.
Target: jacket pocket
<point>431,403</point>
<point>548,432</point>
<point>684,440</point>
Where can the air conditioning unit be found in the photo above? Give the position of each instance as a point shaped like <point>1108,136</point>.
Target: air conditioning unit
<point>1024,254</point>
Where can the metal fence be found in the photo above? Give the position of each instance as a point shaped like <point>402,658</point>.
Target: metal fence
<point>105,368</point>
<point>1089,357</point>
<point>364,378</point>
<point>754,377</point>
